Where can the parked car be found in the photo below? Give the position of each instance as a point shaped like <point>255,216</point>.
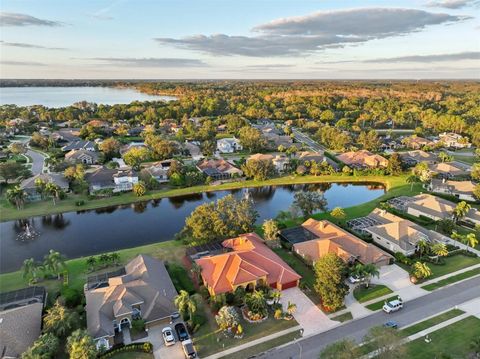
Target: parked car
<point>168,337</point>
<point>174,316</point>
<point>188,349</point>
<point>181,332</point>
<point>355,279</point>
<point>393,306</point>
<point>391,324</point>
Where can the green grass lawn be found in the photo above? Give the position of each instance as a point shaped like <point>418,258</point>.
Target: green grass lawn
<point>209,339</point>
<point>453,340</point>
<point>172,251</point>
<point>131,355</point>
<point>452,279</point>
<point>343,317</point>
<point>263,347</point>
<point>431,322</point>
<point>378,305</point>
<point>363,294</point>
<point>452,264</point>
<point>396,186</point>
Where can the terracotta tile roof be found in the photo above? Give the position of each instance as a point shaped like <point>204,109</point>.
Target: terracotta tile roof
<point>249,260</point>
<point>260,157</point>
<point>363,158</point>
<point>333,239</point>
<point>220,165</point>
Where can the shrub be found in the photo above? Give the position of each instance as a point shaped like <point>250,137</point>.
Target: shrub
<point>121,348</point>
<point>73,297</point>
<point>227,317</point>
<point>278,314</point>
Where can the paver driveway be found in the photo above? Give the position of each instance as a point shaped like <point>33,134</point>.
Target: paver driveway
<point>398,280</point>
<point>308,315</point>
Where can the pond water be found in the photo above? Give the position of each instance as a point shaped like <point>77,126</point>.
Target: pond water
<point>82,233</point>
<point>65,96</point>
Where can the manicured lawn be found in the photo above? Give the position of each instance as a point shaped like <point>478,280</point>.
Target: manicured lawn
<point>209,339</point>
<point>173,251</point>
<point>343,317</point>
<point>431,322</point>
<point>263,347</point>
<point>452,264</point>
<point>378,305</point>
<point>452,279</point>
<point>396,186</point>
<point>363,294</point>
<point>131,355</point>
<point>453,341</point>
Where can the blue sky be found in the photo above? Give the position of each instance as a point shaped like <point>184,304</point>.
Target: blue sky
<point>201,39</point>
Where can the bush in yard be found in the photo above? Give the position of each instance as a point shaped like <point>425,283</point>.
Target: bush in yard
<point>278,314</point>
<point>227,317</point>
<point>257,305</point>
<point>72,297</point>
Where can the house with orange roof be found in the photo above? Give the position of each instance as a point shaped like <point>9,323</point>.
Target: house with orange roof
<point>245,262</point>
<point>218,169</point>
<point>326,238</point>
<point>363,158</point>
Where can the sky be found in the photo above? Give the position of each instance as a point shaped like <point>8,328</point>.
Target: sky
<point>241,39</point>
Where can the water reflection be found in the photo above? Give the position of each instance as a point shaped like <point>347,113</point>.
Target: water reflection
<point>55,221</point>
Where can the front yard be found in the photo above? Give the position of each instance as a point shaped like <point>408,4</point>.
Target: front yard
<point>363,294</point>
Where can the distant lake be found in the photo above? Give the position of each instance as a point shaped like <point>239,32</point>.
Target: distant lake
<point>65,96</point>
<point>84,233</point>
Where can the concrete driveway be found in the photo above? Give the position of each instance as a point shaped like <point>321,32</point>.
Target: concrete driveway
<point>308,315</point>
<point>398,280</point>
<point>160,351</point>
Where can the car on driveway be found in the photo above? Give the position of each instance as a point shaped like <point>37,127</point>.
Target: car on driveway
<point>188,349</point>
<point>355,279</point>
<point>391,324</point>
<point>181,332</point>
<point>392,306</point>
<point>168,337</point>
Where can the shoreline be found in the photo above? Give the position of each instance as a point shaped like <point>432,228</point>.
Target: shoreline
<point>42,208</point>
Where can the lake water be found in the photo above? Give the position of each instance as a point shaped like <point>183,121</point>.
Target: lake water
<point>66,96</point>
<point>77,234</point>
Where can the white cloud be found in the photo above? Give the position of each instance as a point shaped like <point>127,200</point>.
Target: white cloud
<point>29,46</point>
<point>452,4</point>
<point>16,19</point>
<point>150,62</point>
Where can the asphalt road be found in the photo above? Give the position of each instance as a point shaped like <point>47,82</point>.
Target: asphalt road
<point>37,161</point>
<point>301,137</point>
<point>413,311</point>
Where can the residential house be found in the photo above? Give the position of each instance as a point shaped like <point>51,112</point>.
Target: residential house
<point>310,156</point>
<point>229,145</point>
<point>28,185</point>
<point>135,131</point>
<point>416,143</point>
<point>274,136</point>
<point>363,159</point>
<point>437,208</point>
<point>461,189</point>
<point>79,145</point>
<point>246,262</point>
<point>142,290</point>
<point>193,147</point>
<point>111,179</point>
<point>66,135</point>
<point>450,169</point>
<point>82,156</point>
<point>218,169</point>
<point>280,162</point>
<point>411,158</point>
<point>314,239</point>
<point>20,320</point>
<point>399,235</point>
<point>159,170</point>
<point>454,140</point>
<point>125,148</point>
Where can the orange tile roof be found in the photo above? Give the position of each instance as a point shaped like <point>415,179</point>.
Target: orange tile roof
<point>249,260</point>
<point>333,239</point>
<point>364,158</point>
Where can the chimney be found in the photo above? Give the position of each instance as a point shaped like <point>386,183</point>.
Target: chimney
<point>322,224</point>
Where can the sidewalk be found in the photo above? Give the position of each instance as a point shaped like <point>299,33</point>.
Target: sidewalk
<point>252,343</point>
<point>435,280</point>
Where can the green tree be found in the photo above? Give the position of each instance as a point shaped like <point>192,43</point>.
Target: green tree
<point>135,156</point>
<point>475,172</point>
<point>259,170</point>
<point>329,281</point>
<point>291,308</point>
<point>45,347</point>
<point>54,191</point>
<point>59,320</point>
<point>338,213</point>
<point>251,139</point>
<point>16,196</point>
<point>394,166</point>
<point>476,192</point>
<point>444,157</point>
<point>421,270</point>
<point>30,270</point>
<point>256,302</point>
<point>309,202</point>
<point>10,171</point>
<point>80,345</point>
<point>160,149</point>
<point>461,210</point>
<point>369,140</point>
<point>55,263</point>
<point>139,189</point>
<point>110,148</point>
<point>343,349</point>
<point>367,271</point>
<point>386,343</point>
<point>74,173</point>
<point>186,304</point>
<point>270,230</point>
<point>440,250</point>
<point>411,180</point>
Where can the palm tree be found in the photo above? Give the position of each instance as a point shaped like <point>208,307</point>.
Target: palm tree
<point>185,303</point>
<point>461,210</point>
<point>291,308</point>
<point>412,179</point>
<point>104,258</point>
<point>91,261</point>
<point>370,270</point>
<point>421,270</point>
<point>440,249</point>
<point>276,295</point>
<point>423,247</point>
<point>58,320</point>
<point>16,196</point>
<point>55,262</point>
<point>196,270</point>
<point>114,257</point>
<point>470,240</point>
<point>53,190</point>
<point>30,270</point>
<point>256,302</point>
<point>338,213</point>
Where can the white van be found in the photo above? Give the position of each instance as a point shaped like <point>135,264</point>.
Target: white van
<point>393,306</point>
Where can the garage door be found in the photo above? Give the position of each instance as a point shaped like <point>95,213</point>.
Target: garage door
<point>289,285</point>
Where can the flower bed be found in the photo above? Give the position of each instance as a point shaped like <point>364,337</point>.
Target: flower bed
<point>252,318</point>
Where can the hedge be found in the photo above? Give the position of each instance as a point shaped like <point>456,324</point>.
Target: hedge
<point>145,347</point>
